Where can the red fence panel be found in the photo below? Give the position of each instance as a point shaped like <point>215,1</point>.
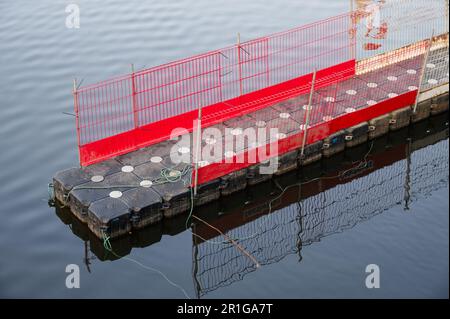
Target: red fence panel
<point>142,108</point>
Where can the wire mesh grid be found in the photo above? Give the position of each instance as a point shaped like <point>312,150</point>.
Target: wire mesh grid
<point>436,67</point>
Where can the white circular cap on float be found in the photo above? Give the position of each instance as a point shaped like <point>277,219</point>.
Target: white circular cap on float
<point>351,92</point>
<point>97,178</point>
<point>127,169</point>
<point>146,183</point>
<point>431,65</point>
<point>184,150</point>
<point>156,159</point>
<point>371,102</point>
<point>349,110</point>
<point>115,194</point>
<point>372,84</point>
<point>285,115</point>
<point>307,107</point>
<point>327,118</point>
<point>329,99</point>
<point>392,78</point>
<point>391,95</point>
<point>174,173</point>
<point>412,88</point>
<point>411,71</point>
<point>303,126</point>
<point>432,81</point>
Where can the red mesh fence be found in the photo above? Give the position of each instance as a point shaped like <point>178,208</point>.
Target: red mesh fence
<point>236,75</point>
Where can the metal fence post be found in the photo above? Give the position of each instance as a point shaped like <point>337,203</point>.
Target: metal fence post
<point>198,141</point>
<point>76,110</point>
<point>422,71</point>
<point>239,62</point>
<point>353,33</point>
<point>267,61</point>
<point>133,96</point>
<point>308,111</point>
<point>446,14</point>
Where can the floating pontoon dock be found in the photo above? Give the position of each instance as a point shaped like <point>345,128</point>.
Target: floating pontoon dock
<point>322,88</point>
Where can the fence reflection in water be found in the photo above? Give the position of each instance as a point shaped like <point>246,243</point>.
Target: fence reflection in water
<point>272,237</point>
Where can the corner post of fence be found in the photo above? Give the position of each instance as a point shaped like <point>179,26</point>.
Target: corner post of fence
<point>352,22</point>
<point>308,112</point>
<point>76,110</point>
<point>197,144</point>
<point>267,61</point>
<point>133,97</point>
<point>352,31</point>
<point>446,15</point>
<point>239,62</point>
<point>423,70</point>
<point>219,73</point>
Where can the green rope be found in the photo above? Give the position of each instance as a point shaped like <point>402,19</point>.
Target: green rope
<point>171,175</point>
<point>108,247</point>
<point>191,211</point>
<point>106,242</point>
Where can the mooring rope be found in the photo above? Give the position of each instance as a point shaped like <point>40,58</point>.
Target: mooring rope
<point>107,245</point>
<point>171,175</point>
<point>238,246</point>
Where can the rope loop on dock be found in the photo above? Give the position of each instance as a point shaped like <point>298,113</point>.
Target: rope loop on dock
<point>172,175</point>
